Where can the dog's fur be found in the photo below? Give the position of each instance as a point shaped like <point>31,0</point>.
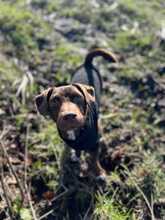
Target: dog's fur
<point>74,107</point>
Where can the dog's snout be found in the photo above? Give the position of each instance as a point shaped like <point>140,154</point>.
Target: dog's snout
<point>69,116</point>
<point>39,100</point>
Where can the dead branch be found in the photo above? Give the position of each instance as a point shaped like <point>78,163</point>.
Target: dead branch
<point>12,170</point>
<point>5,194</point>
<point>25,176</point>
<point>46,214</point>
<point>30,202</point>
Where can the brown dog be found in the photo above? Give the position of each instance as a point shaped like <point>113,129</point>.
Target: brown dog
<point>74,108</point>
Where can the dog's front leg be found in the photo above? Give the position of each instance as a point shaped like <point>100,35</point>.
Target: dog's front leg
<point>96,167</point>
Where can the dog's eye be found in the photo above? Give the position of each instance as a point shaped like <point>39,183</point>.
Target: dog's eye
<point>55,100</point>
<point>77,99</point>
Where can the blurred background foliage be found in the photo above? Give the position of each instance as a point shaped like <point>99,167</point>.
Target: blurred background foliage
<point>41,44</point>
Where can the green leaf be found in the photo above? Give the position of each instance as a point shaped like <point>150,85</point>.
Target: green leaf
<point>25,214</point>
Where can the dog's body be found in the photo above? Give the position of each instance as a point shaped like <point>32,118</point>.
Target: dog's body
<point>74,108</point>
<point>88,74</point>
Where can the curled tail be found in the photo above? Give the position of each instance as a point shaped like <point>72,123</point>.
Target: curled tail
<point>109,56</point>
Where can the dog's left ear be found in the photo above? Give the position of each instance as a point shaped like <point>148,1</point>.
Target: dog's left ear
<point>90,93</point>
<point>87,91</point>
<point>90,90</point>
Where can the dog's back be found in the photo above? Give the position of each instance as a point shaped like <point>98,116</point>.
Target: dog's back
<point>88,74</point>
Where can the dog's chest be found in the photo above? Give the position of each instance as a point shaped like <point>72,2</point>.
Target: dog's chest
<point>86,139</point>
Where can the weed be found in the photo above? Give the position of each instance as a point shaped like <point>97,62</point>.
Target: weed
<point>106,209</point>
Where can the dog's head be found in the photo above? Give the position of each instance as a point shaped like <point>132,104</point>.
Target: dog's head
<point>66,105</point>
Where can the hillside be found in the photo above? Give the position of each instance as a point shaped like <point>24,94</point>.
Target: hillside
<point>41,44</point>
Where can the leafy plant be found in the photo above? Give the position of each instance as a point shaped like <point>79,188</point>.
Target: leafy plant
<point>106,209</point>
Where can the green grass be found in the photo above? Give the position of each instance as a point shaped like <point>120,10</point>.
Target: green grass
<point>145,10</point>
<point>49,145</point>
<point>129,40</point>
<point>131,29</point>
<point>9,71</point>
<point>106,209</point>
<point>21,28</point>
<point>68,53</point>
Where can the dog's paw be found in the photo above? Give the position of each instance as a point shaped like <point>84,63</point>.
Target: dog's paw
<point>74,158</point>
<point>101,179</point>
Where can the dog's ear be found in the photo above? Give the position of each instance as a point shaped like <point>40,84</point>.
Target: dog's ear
<point>42,101</point>
<point>88,91</point>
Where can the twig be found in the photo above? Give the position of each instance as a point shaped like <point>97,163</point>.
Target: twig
<point>4,132</point>
<point>30,202</point>
<point>46,214</point>
<point>88,210</point>
<point>8,202</point>
<point>25,176</point>
<point>5,196</point>
<point>109,116</point>
<point>12,170</point>
<point>3,199</point>
<point>145,199</point>
<point>26,156</point>
<point>66,192</point>
<point>150,207</point>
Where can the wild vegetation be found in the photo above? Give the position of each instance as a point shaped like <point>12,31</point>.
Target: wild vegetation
<point>41,44</point>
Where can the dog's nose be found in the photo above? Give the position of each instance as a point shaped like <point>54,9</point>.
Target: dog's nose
<point>69,116</point>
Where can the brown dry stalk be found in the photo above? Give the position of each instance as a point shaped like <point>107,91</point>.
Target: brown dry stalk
<point>5,194</point>
<point>12,170</point>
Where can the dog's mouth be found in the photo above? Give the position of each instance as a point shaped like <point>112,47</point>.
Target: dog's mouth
<point>69,125</point>
<point>70,134</point>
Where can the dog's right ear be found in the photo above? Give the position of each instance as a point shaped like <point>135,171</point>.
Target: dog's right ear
<point>42,101</point>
